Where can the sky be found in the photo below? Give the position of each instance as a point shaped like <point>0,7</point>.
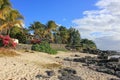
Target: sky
<point>61,11</point>
<point>98,20</point>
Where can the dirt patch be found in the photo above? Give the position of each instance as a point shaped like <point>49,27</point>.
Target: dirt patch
<point>7,52</point>
<point>51,66</point>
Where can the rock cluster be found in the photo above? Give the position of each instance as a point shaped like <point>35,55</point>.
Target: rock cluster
<point>102,63</point>
<point>68,74</point>
<point>97,51</point>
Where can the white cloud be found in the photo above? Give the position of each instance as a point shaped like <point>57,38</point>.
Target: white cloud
<point>108,42</point>
<point>101,23</point>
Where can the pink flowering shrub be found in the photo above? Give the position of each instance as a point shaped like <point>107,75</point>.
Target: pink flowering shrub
<point>6,41</point>
<point>35,41</point>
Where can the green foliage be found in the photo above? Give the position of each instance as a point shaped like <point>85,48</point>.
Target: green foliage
<point>57,38</point>
<point>1,43</point>
<point>61,36</point>
<point>44,47</point>
<point>14,31</point>
<point>53,33</point>
<point>19,33</point>
<point>38,29</point>
<point>21,37</point>
<point>74,39</point>
<point>85,43</point>
<point>51,25</point>
<point>64,34</point>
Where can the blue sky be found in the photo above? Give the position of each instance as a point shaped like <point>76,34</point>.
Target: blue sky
<point>98,20</point>
<point>61,11</point>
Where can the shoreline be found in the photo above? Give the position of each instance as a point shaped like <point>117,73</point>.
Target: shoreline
<point>29,65</point>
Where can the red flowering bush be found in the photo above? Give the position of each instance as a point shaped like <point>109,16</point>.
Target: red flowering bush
<point>35,41</point>
<point>6,41</point>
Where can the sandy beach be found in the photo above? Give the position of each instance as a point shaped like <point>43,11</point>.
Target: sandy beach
<point>29,66</point>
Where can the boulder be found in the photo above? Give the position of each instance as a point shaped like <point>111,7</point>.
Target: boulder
<point>68,74</point>
<point>69,77</point>
<point>114,79</point>
<point>68,70</point>
<point>105,70</point>
<point>117,73</point>
<point>50,73</point>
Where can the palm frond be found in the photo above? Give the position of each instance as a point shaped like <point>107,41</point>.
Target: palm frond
<point>3,26</point>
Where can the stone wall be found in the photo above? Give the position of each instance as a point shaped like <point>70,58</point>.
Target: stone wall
<point>24,46</point>
<point>54,46</point>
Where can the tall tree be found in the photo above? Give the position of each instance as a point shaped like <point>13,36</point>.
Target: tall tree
<point>50,29</point>
<point>9,16</point>
<point>51,26</point>
<point>64,34</point>
<point>38,29</point>
<point>20,34</point>
<point>5,7</point>
<point>74,39</point>
<point>88,44</point>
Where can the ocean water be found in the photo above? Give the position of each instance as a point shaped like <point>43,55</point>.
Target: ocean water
<point>114,56</point>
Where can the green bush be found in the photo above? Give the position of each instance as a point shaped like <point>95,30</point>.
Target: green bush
<point>43,47</point>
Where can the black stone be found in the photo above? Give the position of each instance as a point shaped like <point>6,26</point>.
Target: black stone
<point>118,74</point>
<point>50,73</point>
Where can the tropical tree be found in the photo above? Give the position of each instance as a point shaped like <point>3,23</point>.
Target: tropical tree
<point>21,34</point>
<point>64,34</point>
<point>9,16</point>
<point>57,38</point>
<point>38,29</point>
<point>14,31</point>
<point>13,18</point>
<point>5,7</point>
<point>74,38</point>
<point>88,44</point>
<point>51,26</point>
<point>50,29</point>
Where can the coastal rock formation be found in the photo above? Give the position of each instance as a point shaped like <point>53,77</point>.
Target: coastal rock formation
<point>102,63</point>
<point>68,74</point>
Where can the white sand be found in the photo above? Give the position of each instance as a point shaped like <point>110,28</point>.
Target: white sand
<point>28,65</point>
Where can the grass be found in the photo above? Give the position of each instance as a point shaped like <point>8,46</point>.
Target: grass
<point>47,65</point>
<point>7,52</point>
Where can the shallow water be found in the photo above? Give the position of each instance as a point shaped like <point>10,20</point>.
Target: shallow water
<point>114,56</point>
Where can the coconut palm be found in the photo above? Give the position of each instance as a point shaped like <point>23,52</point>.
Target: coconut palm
<point>38,29</point>
<point>13,18</point>
<point>64,34</point>
<point>50,29</point>
<point>88,44</point>
<point>8,16</point>
<point>51,26</point>
<point>5,7</point>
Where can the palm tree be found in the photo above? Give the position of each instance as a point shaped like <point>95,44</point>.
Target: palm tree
<point>64,34</point>
<point>50,29</point>
<point>38,29</point>
<point>74,38</point>
<point>51,25</point>
<point>13,18</point>
<point>5,7</point>
<point>88,44</point>
<point>8,16</point>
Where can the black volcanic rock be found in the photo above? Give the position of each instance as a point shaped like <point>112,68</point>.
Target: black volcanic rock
<point>69,77</point>
<point>50,73</point>
<point>68,74</point>
<point>67,59</point>
<point>114,79</point>
<point>117,73</point>
<point>68,70</point>
<point>105,70</point>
